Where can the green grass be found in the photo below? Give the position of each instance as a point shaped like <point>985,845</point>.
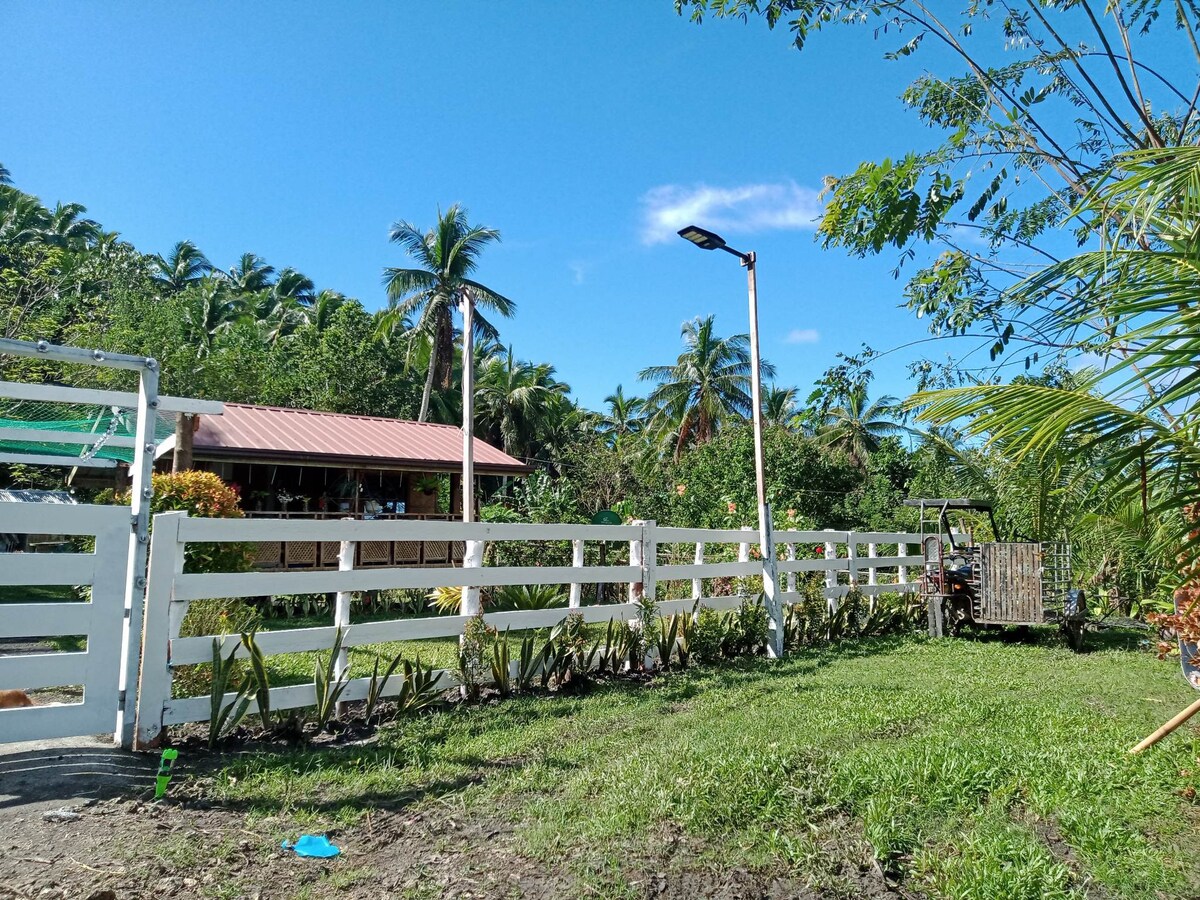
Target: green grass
<point>974,769</point>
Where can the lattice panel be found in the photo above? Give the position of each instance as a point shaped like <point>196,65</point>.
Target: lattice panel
<point>408,552</point>
<point>375,553</point>
<point>302,553</point>
<point>437,551</point>
<point>268,553</point>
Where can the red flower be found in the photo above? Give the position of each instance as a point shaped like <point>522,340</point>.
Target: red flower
<point>820,548</point>
<point>732,507</point>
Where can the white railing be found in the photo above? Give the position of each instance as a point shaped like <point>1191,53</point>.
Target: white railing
<point>650,561</point>
<point>105,666</point>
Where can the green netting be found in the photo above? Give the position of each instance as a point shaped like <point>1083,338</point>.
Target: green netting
<point>95,426</point>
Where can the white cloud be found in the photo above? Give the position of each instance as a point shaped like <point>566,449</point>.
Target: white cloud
<point>742,208</point>
<point>578,270</point>
<point>802,336</point>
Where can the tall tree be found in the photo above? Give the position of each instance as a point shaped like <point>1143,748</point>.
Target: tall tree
<point>1030,102</point>
<point>446,257</point>
<point>250,275</point>
<point>779,406</point>
<point>516,401</point>
<point>708,385</point>
<point>625,416</point>
<point>856,425</point>
<point>183,266</point>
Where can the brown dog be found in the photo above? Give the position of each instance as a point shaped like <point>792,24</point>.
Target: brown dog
<point>14,699</point>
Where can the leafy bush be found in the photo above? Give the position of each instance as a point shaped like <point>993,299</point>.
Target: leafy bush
<point>746,628</point>
<point>473,664</point>
<point>707,635</point>
<point>206,495</point>
<point>528,596</point>
<point>446,601</point>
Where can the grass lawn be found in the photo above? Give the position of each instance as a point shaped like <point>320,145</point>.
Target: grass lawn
<point>970,769</point>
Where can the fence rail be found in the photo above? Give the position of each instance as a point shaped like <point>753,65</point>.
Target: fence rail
<point>651,561</point>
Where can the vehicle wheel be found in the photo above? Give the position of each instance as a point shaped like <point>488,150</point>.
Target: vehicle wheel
<point>1073,629</point>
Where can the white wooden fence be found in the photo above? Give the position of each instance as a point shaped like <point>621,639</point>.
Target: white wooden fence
<point>650,561</point>
<point>106,665</point>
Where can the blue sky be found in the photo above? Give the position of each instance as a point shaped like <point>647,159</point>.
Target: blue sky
<point>585,132</point>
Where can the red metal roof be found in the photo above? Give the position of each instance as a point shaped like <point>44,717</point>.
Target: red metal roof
<point>302,436</point>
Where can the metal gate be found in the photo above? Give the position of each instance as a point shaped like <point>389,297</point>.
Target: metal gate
<point>63,628</point>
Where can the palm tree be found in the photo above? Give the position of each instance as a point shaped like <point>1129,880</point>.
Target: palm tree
<point>624,416</point>
<point>23,219</point>
<point>446,256</point>
<point>285,305</point>
<point>1134,301</point>
<point>857,427</point>
<point>251,275</point>
<point>184,265</point>
<point>324,305</point>
<point>779,406</point>
<point>5,175</point>
<point>212,310</point>
<point>68,228</point>
<point>708,385</point>
<point>515,398</point>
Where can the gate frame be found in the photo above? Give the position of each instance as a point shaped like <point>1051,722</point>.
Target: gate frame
<point>148,403</point>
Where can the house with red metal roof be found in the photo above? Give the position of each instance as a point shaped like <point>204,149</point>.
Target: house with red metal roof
<point>299,463</point>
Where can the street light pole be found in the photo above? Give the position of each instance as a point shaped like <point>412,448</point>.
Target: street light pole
<point>706,240</point>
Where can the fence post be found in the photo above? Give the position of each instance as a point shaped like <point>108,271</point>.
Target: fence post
<point>872,578</point>
<point>902,570</point>
<point>576,586</point>
<point>852,558</point>
<point>744,548</point>
<point>791,576</point>
<point>698,583</point>
<point>649,560</point>
<point>831,578</point>
<point>341,609</point>
<point>635,560</point>
<point>472,559</point>
<point>154,682</point>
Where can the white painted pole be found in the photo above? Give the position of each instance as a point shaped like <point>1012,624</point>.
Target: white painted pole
<point>770,576</point>
<point>473,551</point>
<point>576,596</point>
<point>872,577</point>
<point>791,576</point>
<point>831,579</point>
<point>902,570</point>
<point>636,559</point>
<point>154,683</point>
<point>698,583</point>
<point>139,548</point>
<point>341,604</point>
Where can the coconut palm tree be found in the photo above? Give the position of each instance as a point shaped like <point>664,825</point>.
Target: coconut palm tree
<point>779,406</point>
<point>708,385</point>
<point>514,399</point>
<point>446,257</point>
<point>625,416</point>
<point>1133,302</point>
<point>856,426</point>
<point>184,265</point>
<point>284,305</point>
<point>250,275</point>
<point>68,228</point>
<point>5,175</point>
<point>324,305</point>
<point>212,310</point>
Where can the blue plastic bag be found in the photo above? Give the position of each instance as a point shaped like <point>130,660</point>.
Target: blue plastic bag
<point>312,845</point>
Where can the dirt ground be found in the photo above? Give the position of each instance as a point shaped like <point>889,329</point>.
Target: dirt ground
<point>76,821</point>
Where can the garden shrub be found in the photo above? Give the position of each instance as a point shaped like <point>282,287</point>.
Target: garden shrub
<point>708,634</point>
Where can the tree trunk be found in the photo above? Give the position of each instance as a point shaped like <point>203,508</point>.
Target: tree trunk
<point>184,433</point>
<point>424,414</point>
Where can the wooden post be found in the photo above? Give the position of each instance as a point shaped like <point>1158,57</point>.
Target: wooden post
<point>472,559</point>
<point>185,430</point>
<point>636,560</point>
<point>791,576</point>
<point>831,579</point>
<point>341,610</point>
<point>649,561</point>
<point>872,577</point>
<point>902,570</point>
<point>154,683</point>
<point>576,596</point>
<point>698,583</point>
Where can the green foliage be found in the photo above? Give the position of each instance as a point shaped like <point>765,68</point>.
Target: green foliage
<point>472,656</point>
<point>707,635</point>
<point>527,597</point>
<point>419,690</point>
<point>529,664</point>
<point>329,682</point>
<point>261,680</point>
<point>668,635</point>
<point>501,676</point>
<point>446,601</point>
<point>225,717</point>
<point>378,684</point>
